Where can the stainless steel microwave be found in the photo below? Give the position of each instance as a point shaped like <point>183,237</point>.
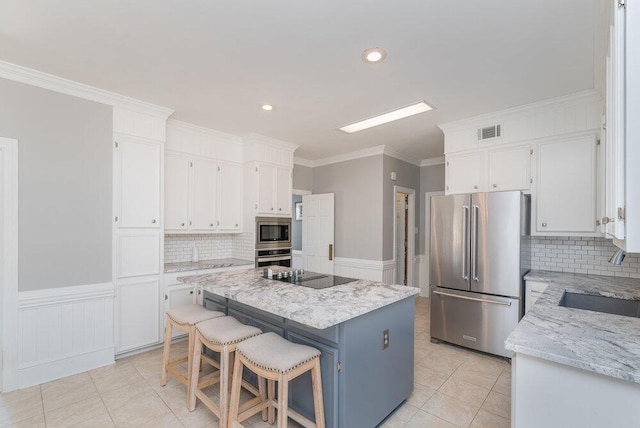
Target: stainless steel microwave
<point>273,232</point>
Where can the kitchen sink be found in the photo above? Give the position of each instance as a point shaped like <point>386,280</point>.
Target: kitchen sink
<point>607,305</point>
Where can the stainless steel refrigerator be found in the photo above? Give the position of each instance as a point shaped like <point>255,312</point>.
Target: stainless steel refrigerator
<point>479,256</point>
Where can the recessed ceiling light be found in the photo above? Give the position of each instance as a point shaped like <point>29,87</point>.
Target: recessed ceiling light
<point>401,113</point>
<point>374,55</point>
<point>267,107</point>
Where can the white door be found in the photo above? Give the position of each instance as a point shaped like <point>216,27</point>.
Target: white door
<point>510,168</point>
<point>317,232</point>
<point>464,173</point>
<point>283,191</point>
<point>230,191</point>
<point>266,189</point>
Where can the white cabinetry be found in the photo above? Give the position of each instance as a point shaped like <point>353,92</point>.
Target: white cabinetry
<point>465,173</point>
<point>274,189</point>
<point>621,219</point>
<point>138,170</point>
<point>202,195</point>
<point>510,168</point>
<point>137,163</point>
<point>565,187</point>
<point>489,170</point>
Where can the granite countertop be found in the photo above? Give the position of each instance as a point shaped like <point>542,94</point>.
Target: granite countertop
<point>314,308</point>
<point>597,342</point>
<point>206,264</point>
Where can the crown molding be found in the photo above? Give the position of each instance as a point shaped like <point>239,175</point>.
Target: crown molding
<point>197,129</point>
<point>303,162</point>
<point>432,161</point>
<point>401,156</point>
<point>43,80</point>
<point>263,139</point>
<point>484,119</point>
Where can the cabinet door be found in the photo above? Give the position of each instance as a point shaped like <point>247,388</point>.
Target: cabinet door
<point>176,191</point>
<point>566,186</point>
<point>283,191</point>
<point>230,203</point>
<point>177,296</point>
<point>300,388</point>
<point>138,314</point>
<point>138,183</point>
<point>203,191</point>
<point>266,189</point>
<point>465,173</point>
<point>510,168</point>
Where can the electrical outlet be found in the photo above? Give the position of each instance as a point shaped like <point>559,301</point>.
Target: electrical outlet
<point>385,339</point>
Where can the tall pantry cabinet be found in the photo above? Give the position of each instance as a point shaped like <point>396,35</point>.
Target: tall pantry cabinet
<point>138,159</point>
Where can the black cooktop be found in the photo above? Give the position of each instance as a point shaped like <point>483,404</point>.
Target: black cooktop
<point>316,280</point>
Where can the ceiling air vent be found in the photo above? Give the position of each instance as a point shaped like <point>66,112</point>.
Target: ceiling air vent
<point>488,132</point>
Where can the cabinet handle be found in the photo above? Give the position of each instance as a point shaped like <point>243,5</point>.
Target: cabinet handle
<point>475,187</point>
<point>211,225</point>
<point>606,220</point>
<point>153,221</point>
<point>279,209</point>
<point>495,185</point>
<point>181,224</point>
<point>236,224</point>
<point>544,224</point>
<point>271,209</point>
<point>191,292</point>
<point>218,222</point>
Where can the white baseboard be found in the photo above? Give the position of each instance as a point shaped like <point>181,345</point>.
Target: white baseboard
<point>64,331</point>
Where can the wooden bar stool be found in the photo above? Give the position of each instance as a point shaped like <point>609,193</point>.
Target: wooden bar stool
<point>183,318</point>
<point>274,358</point>
<point>220,335</point>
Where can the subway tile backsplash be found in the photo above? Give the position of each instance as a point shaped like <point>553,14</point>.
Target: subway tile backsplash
<point>177,248</point>
<point>580,255</point>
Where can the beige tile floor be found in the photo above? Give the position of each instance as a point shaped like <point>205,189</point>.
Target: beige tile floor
<point>453,387</point>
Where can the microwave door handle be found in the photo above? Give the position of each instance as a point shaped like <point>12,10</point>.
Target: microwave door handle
<point>474,243</point>
<point>465,242</point>
<point>273,259</point>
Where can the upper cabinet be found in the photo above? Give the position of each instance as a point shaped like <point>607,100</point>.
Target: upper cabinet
<point>203,180</point>
<point>564,200</point>
<point>547,149</point>
<point>621,219</point>
<point>274,189</point>
<point>268,176</point>
<point>137,169</point>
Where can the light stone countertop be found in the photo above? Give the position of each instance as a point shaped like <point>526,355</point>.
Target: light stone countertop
<point>314,308</point>
<point>205,264</point>
<point>598,342</point>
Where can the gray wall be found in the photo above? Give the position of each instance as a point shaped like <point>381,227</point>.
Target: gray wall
<point>357,185</point>
<point>64,185</point>
<point>407,175</point>
<point>431,180</point>
<point>296,225</point>
<point>302,177</point>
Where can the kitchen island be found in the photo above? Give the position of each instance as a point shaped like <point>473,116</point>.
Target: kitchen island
<point>576,367</point>
<point>364,329</point>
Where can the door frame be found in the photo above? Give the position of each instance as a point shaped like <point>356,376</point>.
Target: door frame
<point>427,242</point>
<point>9,288</point>
<point>298,253</point>
<point>411,226</point>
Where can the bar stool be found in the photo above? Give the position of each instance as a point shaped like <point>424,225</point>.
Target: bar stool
<point>219,335</point>
<point>183,318</point>
<point>274,358</point>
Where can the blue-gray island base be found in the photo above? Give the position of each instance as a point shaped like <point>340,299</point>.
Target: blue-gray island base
<point>364,377</point>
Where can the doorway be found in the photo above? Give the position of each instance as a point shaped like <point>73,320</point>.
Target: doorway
<point>404,235</point>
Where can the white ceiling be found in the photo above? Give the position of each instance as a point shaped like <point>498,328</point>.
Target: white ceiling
<point>215,62</point>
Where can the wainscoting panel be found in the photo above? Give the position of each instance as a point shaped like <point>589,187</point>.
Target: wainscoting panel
<point>374,270</point>
<point>64,331</point>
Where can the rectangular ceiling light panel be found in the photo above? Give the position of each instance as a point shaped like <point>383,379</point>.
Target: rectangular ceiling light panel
<point>401,113</point>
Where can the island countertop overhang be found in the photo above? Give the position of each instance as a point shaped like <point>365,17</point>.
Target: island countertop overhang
<point>314,308</point>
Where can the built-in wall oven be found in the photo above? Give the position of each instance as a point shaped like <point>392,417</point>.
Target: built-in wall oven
<point>273,241</point>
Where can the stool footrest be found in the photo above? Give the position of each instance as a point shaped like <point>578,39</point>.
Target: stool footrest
<point>304,421</point>
<point>179,376</point>
<point>250,408</point>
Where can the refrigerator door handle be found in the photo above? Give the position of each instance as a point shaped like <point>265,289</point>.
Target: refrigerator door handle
<point>465,241</point>
<point>474,243</point>
<point>475,299</point>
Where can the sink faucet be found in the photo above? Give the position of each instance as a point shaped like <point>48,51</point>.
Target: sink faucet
<point>617,257</point>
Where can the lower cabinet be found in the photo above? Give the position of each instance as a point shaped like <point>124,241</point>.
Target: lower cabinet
<point>138,317</point>
<point>300,389</point>
<point>178,295</point>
